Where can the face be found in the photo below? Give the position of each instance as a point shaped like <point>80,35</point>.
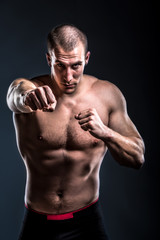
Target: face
<point>67,67</point>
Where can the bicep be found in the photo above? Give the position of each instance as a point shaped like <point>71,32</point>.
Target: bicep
<point>121,123</point>
<point>119,120</point>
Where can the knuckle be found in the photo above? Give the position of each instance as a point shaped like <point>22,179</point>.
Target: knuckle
<point>91,118</point>
<point>32,93</point>
<point>27,95</point>
<point>91,123</point>
<point>45,87</point>
<point>39,90</point>
<point>92,110</point>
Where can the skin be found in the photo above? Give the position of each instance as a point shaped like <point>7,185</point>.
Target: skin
<point>65,123</point>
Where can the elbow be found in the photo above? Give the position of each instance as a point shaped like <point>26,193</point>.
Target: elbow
<point>135,162</point>
<point>139,155</point>
<point>139,162</point>
<point>136,159</point>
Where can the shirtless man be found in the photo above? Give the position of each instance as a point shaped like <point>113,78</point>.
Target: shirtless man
<point>65,122</point>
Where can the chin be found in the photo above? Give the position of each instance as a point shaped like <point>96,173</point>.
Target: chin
<point>69,91</point>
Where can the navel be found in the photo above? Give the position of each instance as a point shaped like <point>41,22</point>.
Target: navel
<point>60,194</point>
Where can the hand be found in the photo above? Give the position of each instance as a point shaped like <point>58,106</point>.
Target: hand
<point>89,120</point>
<point>41,98</point>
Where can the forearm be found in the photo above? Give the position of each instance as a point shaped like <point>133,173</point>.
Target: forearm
<point>16,93</point>
<point>127,151</point>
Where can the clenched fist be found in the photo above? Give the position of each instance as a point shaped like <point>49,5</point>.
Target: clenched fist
<point>89,120</point>
<point>41,98</point>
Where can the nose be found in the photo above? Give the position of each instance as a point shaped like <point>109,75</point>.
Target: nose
<point>68,75</point>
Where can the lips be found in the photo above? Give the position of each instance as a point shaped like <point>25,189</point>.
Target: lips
<point>69,85</point>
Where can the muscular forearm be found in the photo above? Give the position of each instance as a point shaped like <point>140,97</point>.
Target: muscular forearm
<point>16,93</point>
<point>127,151</point>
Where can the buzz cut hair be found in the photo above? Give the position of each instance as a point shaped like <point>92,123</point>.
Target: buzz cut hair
<point>66,36</point>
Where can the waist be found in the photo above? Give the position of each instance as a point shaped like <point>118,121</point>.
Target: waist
<point>69,215</point>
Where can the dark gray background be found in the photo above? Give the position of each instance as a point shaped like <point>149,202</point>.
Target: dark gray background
<point>122,38</point>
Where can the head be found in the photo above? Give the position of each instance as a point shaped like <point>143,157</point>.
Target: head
<point>67,56</point>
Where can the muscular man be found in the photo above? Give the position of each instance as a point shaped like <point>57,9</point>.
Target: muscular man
<point>65,122</point>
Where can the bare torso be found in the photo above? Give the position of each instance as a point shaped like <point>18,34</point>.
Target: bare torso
<point>62,160</point>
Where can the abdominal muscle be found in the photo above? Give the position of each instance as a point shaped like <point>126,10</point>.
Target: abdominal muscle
<point>64,180</point>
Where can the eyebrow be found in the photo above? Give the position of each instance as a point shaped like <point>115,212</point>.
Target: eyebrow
<point>78,62</point>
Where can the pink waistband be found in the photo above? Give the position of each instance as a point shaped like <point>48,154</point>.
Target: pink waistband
<point>61,216</point>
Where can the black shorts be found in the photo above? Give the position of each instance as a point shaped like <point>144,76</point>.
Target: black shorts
<point>84,224</point>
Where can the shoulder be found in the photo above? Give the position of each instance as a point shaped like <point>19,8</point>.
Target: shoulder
<point>37,81</point>
<point>108,92</point>
<point>104,87</point>
<point>40,80</point>
<point>100,84</point>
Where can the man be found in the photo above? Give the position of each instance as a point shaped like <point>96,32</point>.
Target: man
<point>65,122</point>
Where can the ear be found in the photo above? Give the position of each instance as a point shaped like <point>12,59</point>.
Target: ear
<point>48,57</point>
<point>87,57</point>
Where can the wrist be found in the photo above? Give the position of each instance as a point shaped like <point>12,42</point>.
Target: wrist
<point>107,134</point>
<point>21,105</point>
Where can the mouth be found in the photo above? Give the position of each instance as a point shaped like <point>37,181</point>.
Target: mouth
<point>69,85</point>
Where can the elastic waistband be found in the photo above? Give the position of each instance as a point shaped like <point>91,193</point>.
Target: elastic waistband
<point>63,216</point>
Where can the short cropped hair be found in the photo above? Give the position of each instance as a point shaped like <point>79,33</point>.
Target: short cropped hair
<point>66,36</point>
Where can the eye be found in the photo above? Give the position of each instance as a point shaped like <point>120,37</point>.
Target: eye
<point>76,65</point>
<point>60,65</point>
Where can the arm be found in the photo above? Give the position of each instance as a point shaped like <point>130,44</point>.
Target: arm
<point>123,139</point>
<point>26,96</point>
<point>120,136</point>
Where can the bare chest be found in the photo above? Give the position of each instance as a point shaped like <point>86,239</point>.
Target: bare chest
<point>60,129</point>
